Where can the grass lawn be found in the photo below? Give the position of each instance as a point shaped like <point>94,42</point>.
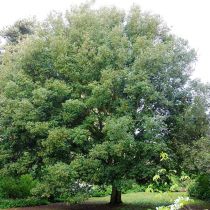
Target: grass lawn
<point>131,201</point>
<point>145,198</point>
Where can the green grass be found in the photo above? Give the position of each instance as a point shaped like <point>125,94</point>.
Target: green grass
<point>146,200</point>
<point>131,201</point>
<point>200,203</point>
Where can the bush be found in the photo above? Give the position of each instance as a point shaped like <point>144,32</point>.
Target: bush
<point>56,180</point>
<point>200,188</point>
<point>135,188</point>
<point>165,181</point>
<point>25,185</point>
<point>16,188</point>
<point>9,203</point>
<point>77,198</point>
<point>8,188</point>
<point>58,183</point>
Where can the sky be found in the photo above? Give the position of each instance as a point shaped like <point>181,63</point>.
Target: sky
<point>188,19</point>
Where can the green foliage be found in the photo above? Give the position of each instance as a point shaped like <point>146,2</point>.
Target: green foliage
<point>26,184</point>
<point>56,181</point>
<point>14,203</point>
<point>72,110</point>
<point>131,186</point>
<point>135,188</point>
<point>16,188</point>
<point>100,191</point>
<point>8,188</point>
<point>76,198</point>
<point>193,129</point>
<point>198,156</point>
<point>200,188</point>
<point>165,181</point>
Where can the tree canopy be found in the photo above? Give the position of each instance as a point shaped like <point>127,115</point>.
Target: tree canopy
<point>101,91</point>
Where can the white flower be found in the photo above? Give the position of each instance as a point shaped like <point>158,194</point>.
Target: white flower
<point>178,203</point>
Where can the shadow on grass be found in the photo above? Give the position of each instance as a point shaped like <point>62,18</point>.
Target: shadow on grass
<point>88,206</point>
<point>102,206</point>
<point>132,201</point>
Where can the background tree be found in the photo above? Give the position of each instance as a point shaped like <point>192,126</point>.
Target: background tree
<point>99,91</point>
<point>195,147</point>
<point>19,30</point>
<point>15,33</point>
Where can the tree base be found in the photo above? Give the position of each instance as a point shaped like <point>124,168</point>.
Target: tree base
<point>115,197</point>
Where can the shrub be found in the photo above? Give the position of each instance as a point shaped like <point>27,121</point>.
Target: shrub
<point>16,188</point>
<point>59,183</point>
<point>135,188</point>
<point>11,203</point>
<point>200,188</point>
<point>25,185</point>
<point>56,181</point>
<point>169,181</point>
<point>77,198</point>
<point>8,188</point>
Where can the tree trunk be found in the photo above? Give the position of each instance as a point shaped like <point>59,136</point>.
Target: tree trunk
<point>115,197</point>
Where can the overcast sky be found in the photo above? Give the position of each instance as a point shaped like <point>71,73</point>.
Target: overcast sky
<point>187,18</point>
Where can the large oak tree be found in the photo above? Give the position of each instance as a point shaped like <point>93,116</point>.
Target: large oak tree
<point>99,90</point>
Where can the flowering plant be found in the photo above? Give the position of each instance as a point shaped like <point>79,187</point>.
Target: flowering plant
<point>178,203</point>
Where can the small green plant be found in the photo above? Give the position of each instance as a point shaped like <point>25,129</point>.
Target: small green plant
<point>168,180</point>
<point>150,188</point>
